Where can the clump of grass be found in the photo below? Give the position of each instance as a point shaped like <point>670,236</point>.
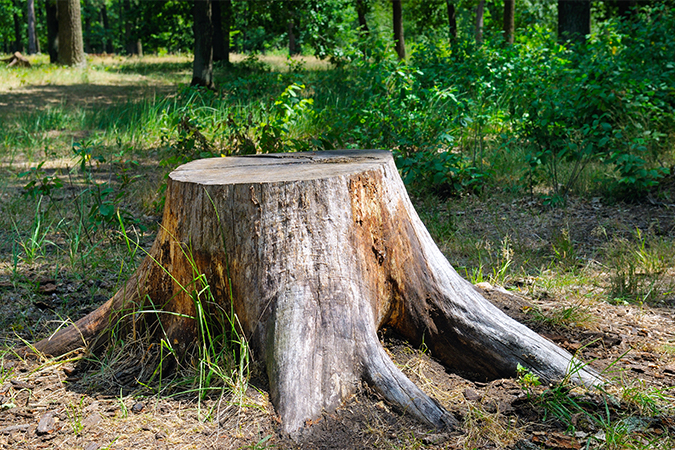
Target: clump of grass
<point>614,416</point>
<point>565,255</point>
<point>562,316</point>
<point>484,429</point>
<point>639,268</point>
<point>216,363</point>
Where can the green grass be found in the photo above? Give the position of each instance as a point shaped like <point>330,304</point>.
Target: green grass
<point>84,211</point>
<point>563,316</point>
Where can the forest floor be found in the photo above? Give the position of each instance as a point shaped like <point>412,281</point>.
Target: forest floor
<point>579,300</point>
<point>73,403</point>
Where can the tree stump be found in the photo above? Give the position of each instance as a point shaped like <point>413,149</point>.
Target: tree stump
<point>322,250</point>
<point>17,60</point>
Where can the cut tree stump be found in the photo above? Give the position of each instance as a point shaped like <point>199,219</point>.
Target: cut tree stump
<point>17,60</point>
<point>323,249</point>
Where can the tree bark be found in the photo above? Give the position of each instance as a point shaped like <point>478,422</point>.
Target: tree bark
<point>87,28</point>
<point>314,252</point>
<point>130,24</point>
<point>480,18</point>
<point>32,38</point>
<point>361,10</point>
<point>202,67</point>
<point>52,31</point>
<point>221,13</point>
<point>292,44</point>
<point>399,40</point>
<point>71,50</point>
<point>509,20</point>
<point>18,45</point>
<point>574,20</point>
<point>107,33</point>
<point>452,19</point>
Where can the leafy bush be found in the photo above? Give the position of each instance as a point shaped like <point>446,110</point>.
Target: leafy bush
<point>460,116</point>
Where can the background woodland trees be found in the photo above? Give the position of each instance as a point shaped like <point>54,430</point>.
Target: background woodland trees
<point>582,89</point>
<point>323,28</point>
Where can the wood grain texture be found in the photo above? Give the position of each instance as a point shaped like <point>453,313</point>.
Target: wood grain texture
<point>322,249</point>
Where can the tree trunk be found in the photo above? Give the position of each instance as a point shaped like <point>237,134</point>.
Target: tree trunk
<point>480,17</point>
<point>361,10</point>
<point>107,33</point>
<point>18,45</point>
<point>87,29</point>
<point>52,31</point>
<point>220,46</point>
<point>398,28</point>
<point>509,20</point>
<point>130,43</point>
<point>293,47</point>
<point>38,20</point>
<point>314,252</point>
<point>574,20</point>
<point>202,68</point>
<point>32,38</point>
<point>452,19</point>
<point>71,51</point>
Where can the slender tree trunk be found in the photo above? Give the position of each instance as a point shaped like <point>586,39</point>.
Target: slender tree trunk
<point>32,38</point>
<point>399,39</point>
<point>107,32</point>
<point>222,25</point>
<point>509,20</point>
<point>87,29</point>
<point>130,44</point>
<point>71,49</point>
<point>293,47</point>
<point>314,253</point>
<point>52,31</point>
<point>218,35</point>
<point>480,17</point>
<point>574,20</point>
<point>18,42</point>
<point>202,68</point>
<point>227,20</point>
<point>361,10</point>
<point>39,19</point>
<point>452,19</point>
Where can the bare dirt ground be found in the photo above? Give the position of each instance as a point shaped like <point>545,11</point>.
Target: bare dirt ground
<point>68,404</point>
<point>58,404</point>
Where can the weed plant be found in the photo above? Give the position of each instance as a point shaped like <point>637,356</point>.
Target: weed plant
<point>619,415</point>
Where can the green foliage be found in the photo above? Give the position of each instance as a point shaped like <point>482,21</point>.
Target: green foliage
<point>460,117</point>
<point>39,183</point>
<point>563,316</point>
<point>444,173</point>
<point>564,252</point>
<point>102,199</point>
<point>638,269</point>
<point>593,103</point>
<point>526,378</point>
<point>33,244</point>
